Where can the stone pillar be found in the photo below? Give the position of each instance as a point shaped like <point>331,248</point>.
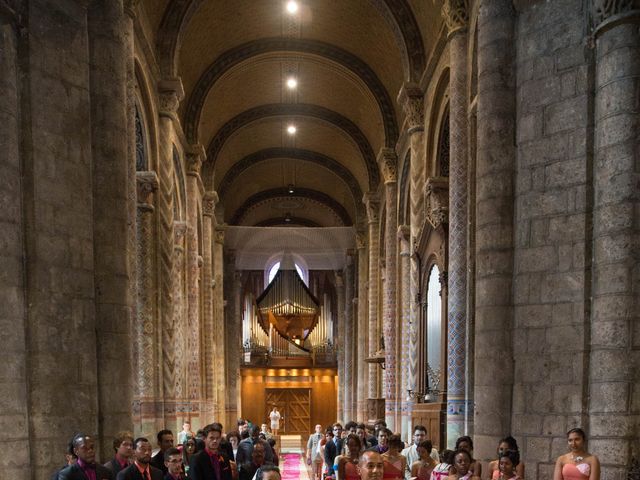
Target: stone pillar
<point>218,319</point>
<point>210,365</point>
<point>363,327</point>
<point>388,165</point>
<point>348,340</point>
<point>494,225</point>
<point>404,339</point>
<point>412,100</point>
<point>614,377</point>
<point>233,336</point>
<point>459,406</point>
<point>373,217</point>
<point>340,344</point>
<point>194,353</point>
<point>145,333</point>
<point>178,320</point>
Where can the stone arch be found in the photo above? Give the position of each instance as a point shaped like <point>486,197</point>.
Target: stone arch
<point>439,106</point>
<point>306,193</point>
<point>145,106</point>
<point>296,153</point>
<point>397,14</point>
<point>252,49</point>
<point>292,110</point>
<point>279,222</point>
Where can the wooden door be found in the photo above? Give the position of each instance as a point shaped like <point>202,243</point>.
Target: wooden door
<point>294,404</point>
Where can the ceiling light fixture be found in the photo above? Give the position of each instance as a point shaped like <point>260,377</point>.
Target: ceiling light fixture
<point>291,129</point>
<point>290,188</point>
<point>292,83</point>
<point>287,217</point>
<point>292,7</point>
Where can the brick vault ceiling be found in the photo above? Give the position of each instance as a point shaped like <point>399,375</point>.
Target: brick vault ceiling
<point>350,57</point>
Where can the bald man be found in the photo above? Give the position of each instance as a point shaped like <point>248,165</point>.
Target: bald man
<point>370,466</point>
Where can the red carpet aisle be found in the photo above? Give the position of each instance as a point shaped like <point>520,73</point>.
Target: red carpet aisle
<point>292,467</point>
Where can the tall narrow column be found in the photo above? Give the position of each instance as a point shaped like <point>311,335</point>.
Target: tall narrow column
<point>373,218</point>
<point>194,371</point>
<point>388,163</point>
<point>455,13</point>
<point>340,343</point>
<point>614,377</point>
<point>412,100</point>
<point>363,327</point>
<point>349,389</point>
<point>494,224</point>
<point>218,318</point>
<point>178,320</point>
<point>210,365</point>
<point>233,336</point>
<point>403,339</point>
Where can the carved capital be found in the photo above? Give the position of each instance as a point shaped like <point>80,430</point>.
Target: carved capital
<point>195,157</point>
<point>146,185</point>
<point>339,279</point>
<point>437,200</point>
<point>404,232</point>
<point>179,230</point>
<point>209,202</point>
<point>412,100</point>
<point>170,94</point>
<point>608,13</point>
<point>361,240</point>
<point>388,162</point>
<point>219,234</point>
<point>455,14</point>
<point>372,205</point>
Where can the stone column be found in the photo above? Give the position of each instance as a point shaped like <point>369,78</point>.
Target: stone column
<point>614,377</point>
<point>459,407</point>
<point>363,326</point>
<point>340,343</point>
<point>233,336</point>
<point>218,318</point>
<point>146,356</point>
<point>348,339</point>
<point>194,371</point>
<point>209,364</point>
<point>178,320</point>
<point>412,100</point>
<point>373,218</point>
<point>388,165</point>
<point>494,224</point>
<point>403,343</point>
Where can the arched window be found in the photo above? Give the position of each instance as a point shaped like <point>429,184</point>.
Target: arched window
<point>141,146</point>
<point>272,271</point>
<point>434,322</point>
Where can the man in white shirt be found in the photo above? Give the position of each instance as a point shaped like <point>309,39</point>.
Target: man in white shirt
<point>411,452</point>
<point>314,458</point>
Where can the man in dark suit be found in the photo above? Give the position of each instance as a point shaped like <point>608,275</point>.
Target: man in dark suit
<point>84,447</point>
<point>248,469</point>
<point>141,468</point>
<point>123,446</point>
<point>333,448</point>
<point>165,442</point>
<point>245,447</point>
<point>173,461</point>
<point>210,463</point>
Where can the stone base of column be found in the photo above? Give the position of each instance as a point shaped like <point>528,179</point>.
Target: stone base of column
<point>457,419</point>
<point>375,409</point>
<point>404,428</point>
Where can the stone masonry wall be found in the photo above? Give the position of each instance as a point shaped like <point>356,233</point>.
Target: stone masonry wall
<point>552,225</point>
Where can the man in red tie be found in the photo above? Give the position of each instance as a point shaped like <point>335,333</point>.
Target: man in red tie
<point>141,469</point>
<point>85,468</point>
<point>210,463</point>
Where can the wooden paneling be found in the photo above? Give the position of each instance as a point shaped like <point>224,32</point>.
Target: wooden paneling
<point>320,383</point>
<point>432,416</point>
<point>294,404</point>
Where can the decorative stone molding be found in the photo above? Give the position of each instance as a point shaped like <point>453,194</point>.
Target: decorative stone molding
<point>146,184</point>
<point>209,202</point>
<point>412,100</point>
<point>130,7</point>
<point>372,204</point>
<point>219,234</point>
<point>388,162</point>
<point>361,240</point>
<point>605,10</point>
<point>455,14</point>
<point>437,200</point>
<point>179,230</point>
<point>170,94</point>
<point>404,232</point>
<point>195,157</point>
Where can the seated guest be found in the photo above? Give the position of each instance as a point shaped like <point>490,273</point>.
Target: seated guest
<point>189,449</point>
<point>84,448</point>
<point>248,469</point>
<point>445,467</point>
<point>422,468</point>
<point>123,446</point>
<point>173,462</point>
<point>141,468</point>
<point>165,442</point>
<point>465,443</point>
<point>462,464</point>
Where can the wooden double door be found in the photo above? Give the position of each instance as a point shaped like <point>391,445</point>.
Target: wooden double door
<point>294,405</point>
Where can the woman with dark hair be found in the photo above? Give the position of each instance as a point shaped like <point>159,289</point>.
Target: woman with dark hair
<point>578,464</point>
<point>422,468</point>
<point>443,469</point>
<point>347,464</point>
<point>508,461</point>
<point>189,448</point>
<point>234,439</point>
<point>507,443</point>
<point>465,443</point>
<point>462,465</point>
<point>395,463</point>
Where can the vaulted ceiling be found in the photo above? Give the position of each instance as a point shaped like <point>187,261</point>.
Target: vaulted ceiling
<point>350,58</point>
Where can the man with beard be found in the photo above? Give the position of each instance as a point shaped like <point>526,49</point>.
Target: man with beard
<point>141,469</point>
<point>84,447</point>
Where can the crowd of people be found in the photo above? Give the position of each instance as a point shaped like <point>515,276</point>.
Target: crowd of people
<point>354,452</point>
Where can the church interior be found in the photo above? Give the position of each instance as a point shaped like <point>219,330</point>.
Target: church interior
<point>422,211</point>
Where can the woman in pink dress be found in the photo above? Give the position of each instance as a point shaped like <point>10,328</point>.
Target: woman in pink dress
<point>462,464</point>
<point>578,464</point>
<point>507,443</point>
<point>347,464</point>
<point>507,464</point>
<point>422,468</point>
<point>394,462</point>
